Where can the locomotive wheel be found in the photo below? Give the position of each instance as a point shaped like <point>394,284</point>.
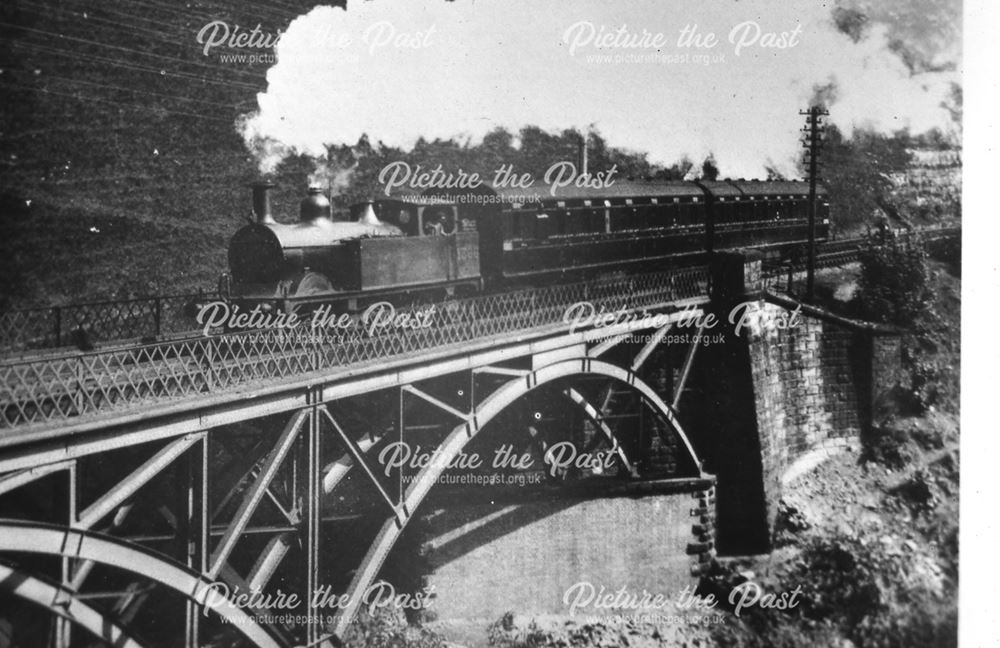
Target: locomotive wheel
<point>312,283</point>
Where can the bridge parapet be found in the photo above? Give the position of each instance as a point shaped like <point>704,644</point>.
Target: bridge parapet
<point>52,391</point>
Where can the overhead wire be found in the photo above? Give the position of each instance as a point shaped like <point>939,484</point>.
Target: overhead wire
<point>126,58</point>
<point>145,92</point>
<point>153,109</point>
<point>156,35</point>
<point>131,66</point>
<point>129,50</point>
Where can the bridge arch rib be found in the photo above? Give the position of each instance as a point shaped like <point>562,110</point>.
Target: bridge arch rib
<point>462,434</point>
<point>53,540</point>
<point>64,603</point>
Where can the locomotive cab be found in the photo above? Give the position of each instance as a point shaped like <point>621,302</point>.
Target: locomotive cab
<point>416,217</point>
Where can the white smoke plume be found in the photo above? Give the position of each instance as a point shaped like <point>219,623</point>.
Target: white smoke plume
<point>266,149</point>
<point>399,71</point>
<point>331,176</point>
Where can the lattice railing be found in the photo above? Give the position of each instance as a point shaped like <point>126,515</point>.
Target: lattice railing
<point>91,323</point>
<point>57,389</point>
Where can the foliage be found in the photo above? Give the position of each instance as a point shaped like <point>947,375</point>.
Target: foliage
<point>593,632</point>
<point>709,169</point>
<point>384,629</point>
<point>503,633</point>
<point>893,287</point>
<point>857,172</point>
<point>788,524</point>
<point>861,587</point>
<point>888,445</point>
<point>868,592</point>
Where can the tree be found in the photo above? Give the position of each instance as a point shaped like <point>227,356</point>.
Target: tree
<point>709,169</point>
<point>893,286</point>
<point>858,173</point>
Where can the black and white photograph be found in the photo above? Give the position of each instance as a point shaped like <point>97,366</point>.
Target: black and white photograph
<point>490,324</point>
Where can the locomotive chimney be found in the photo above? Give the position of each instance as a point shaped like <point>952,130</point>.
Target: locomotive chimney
<point>262,201</point>
<point>315,205</point>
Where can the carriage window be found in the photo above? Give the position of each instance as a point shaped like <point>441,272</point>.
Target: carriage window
<point>725,213</point>
<point>684,214</point>
<point>526,225</point>
<point>648,216</point>
<point>546,224</point>
<point>521,225</point>
<point>666,215</point>
<point>620,220</point>
<point>627,218</point>
<point>595,221</point>
<point>802,208</point>
<point>576,222</point>
<point>586,221</point>
<point>743,211</point>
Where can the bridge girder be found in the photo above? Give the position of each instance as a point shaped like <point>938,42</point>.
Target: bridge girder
<point>64,603</point>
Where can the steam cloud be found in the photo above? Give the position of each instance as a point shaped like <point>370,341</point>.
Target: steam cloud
<point>398,71</point>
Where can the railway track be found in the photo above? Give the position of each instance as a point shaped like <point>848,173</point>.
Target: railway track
<point>63,331</point>
<point>62,385</point>
<point>845,251</point>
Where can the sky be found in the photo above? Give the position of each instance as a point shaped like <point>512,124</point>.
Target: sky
<point>399,70</point>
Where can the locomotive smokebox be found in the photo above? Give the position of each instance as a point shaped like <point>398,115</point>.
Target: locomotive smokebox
<point>314,206</point>
<point>262,201</point>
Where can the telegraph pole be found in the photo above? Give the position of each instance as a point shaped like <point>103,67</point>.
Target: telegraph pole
<point>811,142</point>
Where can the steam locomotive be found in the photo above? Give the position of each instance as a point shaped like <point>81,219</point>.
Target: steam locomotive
<point>492,237</point>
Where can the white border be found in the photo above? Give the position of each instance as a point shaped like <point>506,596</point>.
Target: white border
<point>979,586</point>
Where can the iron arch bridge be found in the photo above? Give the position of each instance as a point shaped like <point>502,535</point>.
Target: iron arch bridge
<point>207,514</point>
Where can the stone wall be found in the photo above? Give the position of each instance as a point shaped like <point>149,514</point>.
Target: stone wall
<point>487,559</point>
<point>777,397</point>
<point>810,389</point>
